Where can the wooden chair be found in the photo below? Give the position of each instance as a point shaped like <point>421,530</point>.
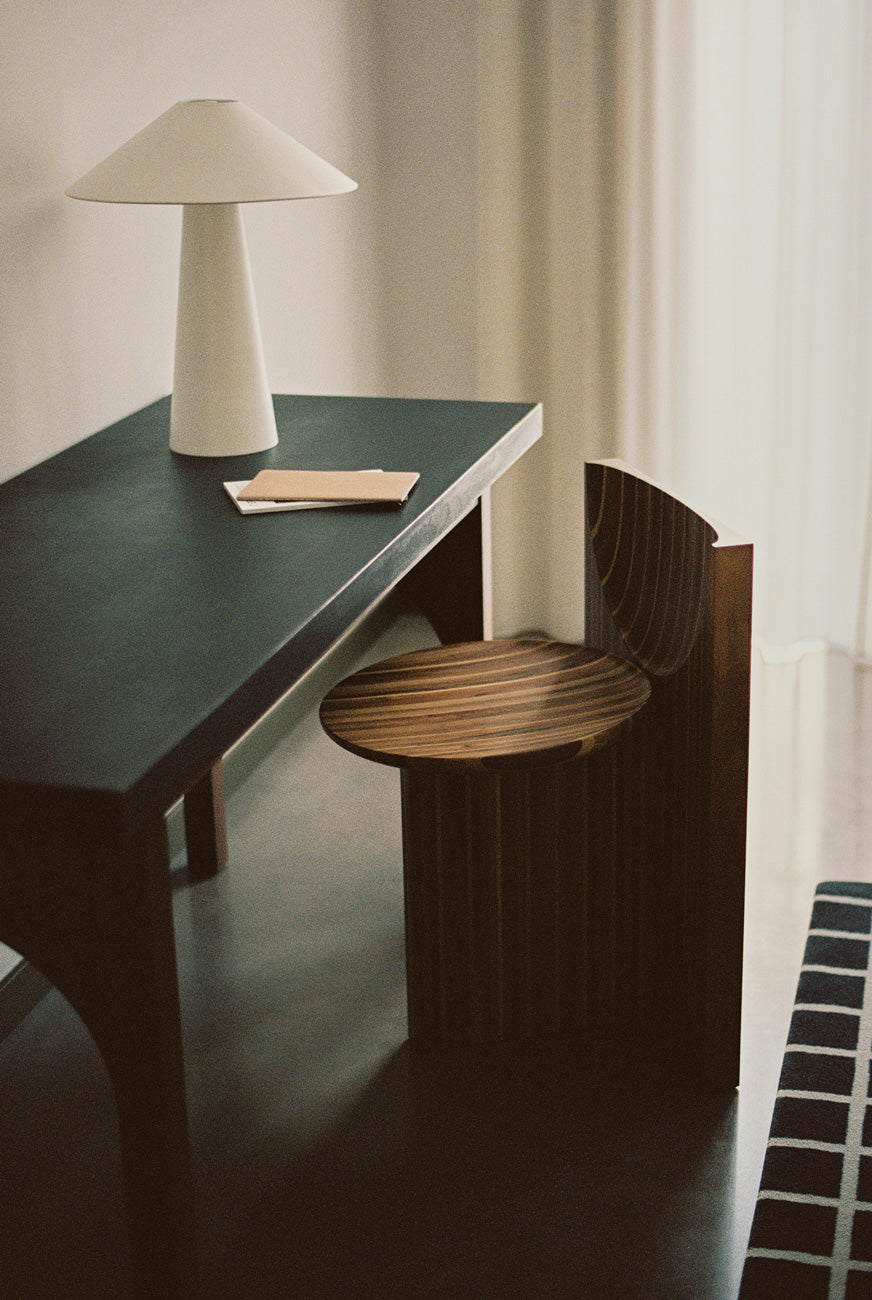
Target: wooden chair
<point>574,817</point>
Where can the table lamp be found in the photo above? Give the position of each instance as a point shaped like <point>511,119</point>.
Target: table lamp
<point>211,155</point>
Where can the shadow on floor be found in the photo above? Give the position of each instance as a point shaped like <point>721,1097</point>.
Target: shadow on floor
<point>504,1174</point>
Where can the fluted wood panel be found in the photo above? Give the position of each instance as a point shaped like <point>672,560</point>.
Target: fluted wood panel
<point>522,919</point>
<point>675,806</point>
<point>486,956</point>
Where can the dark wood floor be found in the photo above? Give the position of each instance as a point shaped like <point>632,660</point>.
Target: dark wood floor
<point>328,1163</point>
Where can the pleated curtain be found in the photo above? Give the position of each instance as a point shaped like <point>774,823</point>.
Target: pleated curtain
<point>674,251</point>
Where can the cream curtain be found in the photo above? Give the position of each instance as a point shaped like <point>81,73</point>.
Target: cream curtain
<point>674,250</point>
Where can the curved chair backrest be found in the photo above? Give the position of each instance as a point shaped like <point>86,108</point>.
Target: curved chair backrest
<point>652,559</point>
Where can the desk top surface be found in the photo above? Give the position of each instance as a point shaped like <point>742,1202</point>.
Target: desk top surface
<point>147,624</point>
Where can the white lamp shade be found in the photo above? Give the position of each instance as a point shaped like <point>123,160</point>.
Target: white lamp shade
<point>210,151</point>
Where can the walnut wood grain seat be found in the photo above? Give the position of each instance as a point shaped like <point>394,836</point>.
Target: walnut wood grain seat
<point>574,817</point>
<point>485,705</point>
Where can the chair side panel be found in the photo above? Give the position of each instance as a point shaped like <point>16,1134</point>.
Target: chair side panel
<point>725,892</point>
<point>676,806</point>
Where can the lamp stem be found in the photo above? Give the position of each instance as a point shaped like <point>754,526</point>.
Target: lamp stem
<point>221,399</point>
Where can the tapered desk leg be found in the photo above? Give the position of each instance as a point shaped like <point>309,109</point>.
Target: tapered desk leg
<point>93,911</point>
<point>206,825</point>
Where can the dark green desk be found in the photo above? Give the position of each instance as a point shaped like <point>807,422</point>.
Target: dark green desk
<point>146,626</point>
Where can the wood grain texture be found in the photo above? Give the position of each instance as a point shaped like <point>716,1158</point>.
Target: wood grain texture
<point>653,564</point>
<point>588,881</point>
<point>485,704</point>
<point>671,591</point>
<point>528,913</point>
<point>517,915</point>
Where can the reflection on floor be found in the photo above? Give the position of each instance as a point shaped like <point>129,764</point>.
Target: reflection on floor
<point>328,1163</point>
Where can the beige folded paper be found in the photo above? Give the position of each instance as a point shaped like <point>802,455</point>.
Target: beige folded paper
<point>328,485</point>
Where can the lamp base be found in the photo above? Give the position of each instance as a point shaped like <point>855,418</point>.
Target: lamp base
<point>221,403</point>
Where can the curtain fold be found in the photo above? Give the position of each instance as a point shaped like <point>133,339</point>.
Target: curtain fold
<point>673,219</point>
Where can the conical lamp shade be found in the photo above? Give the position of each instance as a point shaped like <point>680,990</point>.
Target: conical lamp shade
<point>210,151</point>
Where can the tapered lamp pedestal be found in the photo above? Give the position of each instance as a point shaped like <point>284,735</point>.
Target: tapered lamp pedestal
<point>221,399</point>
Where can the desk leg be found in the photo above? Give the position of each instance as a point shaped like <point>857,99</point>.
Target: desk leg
<point>93,912</point>
<point>451,584</point>
<point>206,825</point>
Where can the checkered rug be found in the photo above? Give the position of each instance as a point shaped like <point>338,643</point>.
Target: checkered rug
<point>812,1230</point>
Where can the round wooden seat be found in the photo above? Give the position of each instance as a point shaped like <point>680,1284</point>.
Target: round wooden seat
<point>485,705</point>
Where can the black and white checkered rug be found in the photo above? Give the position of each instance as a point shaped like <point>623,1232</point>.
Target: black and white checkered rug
<point>812,1230</point>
